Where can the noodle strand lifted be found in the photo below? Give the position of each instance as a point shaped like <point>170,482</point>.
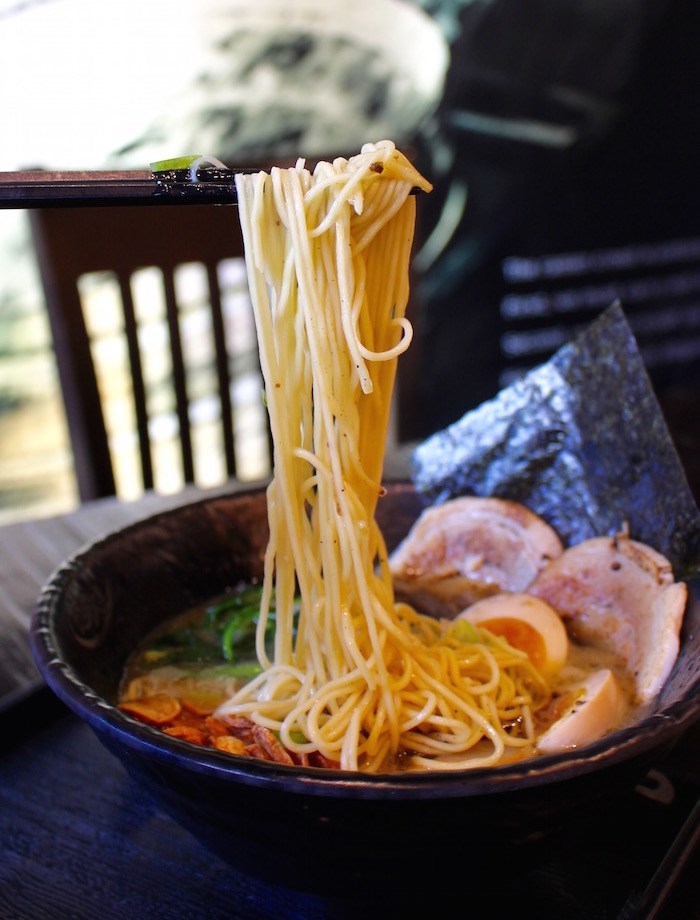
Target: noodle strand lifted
<point>368,683</point>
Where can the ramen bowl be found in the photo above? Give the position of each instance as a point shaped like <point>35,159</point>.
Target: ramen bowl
<point>308,828</point>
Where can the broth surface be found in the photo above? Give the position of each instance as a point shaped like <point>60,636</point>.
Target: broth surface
<point>200,658</point>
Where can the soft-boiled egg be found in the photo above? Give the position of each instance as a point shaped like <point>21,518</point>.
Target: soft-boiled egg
<point>527,623</point>
<point>598,706</point>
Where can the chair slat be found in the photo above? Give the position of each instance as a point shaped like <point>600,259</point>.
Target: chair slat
<point>182,403</point>
<point>137,381</point>
<point>86,427</point>
<point>222,368</point>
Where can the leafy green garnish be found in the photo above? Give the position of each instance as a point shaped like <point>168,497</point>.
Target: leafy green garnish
<point>235,620</point>
<point>183,162</point>
<point>465,632</point>
<point>222,636</point>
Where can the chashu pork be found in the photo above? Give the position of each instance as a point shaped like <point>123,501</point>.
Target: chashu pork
<point>621,595</point>
<point>469,548</point>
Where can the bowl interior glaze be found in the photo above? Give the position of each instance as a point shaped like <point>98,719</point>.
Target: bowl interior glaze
<point>101,603</point>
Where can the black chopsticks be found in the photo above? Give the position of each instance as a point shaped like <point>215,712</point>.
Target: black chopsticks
<point>86,188</point>
<point>46,189</point>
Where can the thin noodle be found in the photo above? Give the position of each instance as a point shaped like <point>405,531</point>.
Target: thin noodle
<point>367,682</point>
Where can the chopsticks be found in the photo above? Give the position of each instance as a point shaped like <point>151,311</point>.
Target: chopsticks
<point>85,188</point>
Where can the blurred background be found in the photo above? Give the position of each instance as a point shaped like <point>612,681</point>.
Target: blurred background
<point>561,136</point>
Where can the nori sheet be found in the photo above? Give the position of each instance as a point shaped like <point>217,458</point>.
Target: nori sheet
<point>582,441</point>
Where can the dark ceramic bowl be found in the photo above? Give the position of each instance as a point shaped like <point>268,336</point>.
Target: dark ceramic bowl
<point>309,828</point>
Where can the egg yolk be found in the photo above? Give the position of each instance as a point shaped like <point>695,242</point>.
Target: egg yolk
<point>521,636</point>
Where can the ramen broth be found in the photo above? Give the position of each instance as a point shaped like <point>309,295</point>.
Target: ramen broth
<point>202,656</point>
<point>205,653</point>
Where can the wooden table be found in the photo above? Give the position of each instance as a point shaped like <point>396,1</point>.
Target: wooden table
<point>79,839</point>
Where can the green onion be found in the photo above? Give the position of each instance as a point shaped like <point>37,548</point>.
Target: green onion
<point>466,632</point>
<point>183,162</point>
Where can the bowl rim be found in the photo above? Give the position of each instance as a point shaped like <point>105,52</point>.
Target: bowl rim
<point>641,738</point>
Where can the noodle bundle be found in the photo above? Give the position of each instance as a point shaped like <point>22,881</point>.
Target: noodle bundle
<point>367,682</point>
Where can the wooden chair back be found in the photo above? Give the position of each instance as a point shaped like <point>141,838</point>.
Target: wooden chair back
<point>72,243</point>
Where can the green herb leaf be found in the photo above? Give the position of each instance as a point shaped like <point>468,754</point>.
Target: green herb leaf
<point>183,162</point>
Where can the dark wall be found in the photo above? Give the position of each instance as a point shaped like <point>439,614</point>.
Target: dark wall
<point>574,127</point>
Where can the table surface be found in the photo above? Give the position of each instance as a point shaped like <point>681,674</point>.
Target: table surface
<point>81,840</point>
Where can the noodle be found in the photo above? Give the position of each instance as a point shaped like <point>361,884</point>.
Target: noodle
<point>367,682</point>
